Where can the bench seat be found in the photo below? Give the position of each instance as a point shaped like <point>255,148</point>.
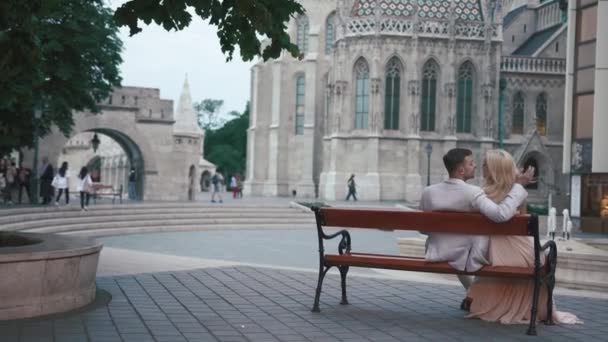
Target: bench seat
<point>402,263</point>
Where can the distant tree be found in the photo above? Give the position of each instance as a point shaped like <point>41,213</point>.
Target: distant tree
<point>59,55</point>
<point>242,23</point>
<point>208,113</point>
<point>226,147</point>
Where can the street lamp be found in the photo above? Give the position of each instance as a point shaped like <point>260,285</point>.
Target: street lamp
<point>35,191</point>
<point>429,150</point>
<point>95,142</point>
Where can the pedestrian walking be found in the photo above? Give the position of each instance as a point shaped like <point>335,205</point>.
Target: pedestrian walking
<point>132,182</point>
<point>83,186</point>
<point>234,186</point>
<point>46,179</point>
<point>60,182</point>
<point>23,181</point>
<point>352,188</point>
<point>239,185</point>
<point>217,181</point>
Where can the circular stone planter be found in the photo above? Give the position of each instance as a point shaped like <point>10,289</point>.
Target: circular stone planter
<point>42,274</point>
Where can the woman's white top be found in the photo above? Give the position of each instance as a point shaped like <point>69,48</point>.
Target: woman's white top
<point>61,182</point>
<point>84,184</point>
<point>233,182</point>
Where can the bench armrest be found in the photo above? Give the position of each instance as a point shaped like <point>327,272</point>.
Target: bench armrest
<point>344,246</point>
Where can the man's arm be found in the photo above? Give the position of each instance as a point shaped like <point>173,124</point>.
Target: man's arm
<point>504,210</point>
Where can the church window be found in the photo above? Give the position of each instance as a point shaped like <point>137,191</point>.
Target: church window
<point>300,91</point>
<point>525,28</point>
<point>429,96</point>
<point>512,38</point>
<point>123,100</point>
<point>392,93</point>
<point>556,46</point>
<point>465,98</point>
<point>518,113</point>
<point>302,33</point>
<point>361,94</point>
<point>110,100</point>
<point>330,33</point>
<point>541,114</point>
<point>135,98</point>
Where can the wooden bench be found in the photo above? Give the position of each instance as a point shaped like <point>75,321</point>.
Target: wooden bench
<point>431,222</point>
<point>101,190</point>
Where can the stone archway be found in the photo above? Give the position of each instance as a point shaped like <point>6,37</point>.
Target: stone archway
<point>544,172</point>
<point>205,180</point>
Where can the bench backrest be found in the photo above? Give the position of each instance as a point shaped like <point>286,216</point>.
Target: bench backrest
<point>436,222</point>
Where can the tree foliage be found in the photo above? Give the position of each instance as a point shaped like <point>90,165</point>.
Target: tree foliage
<point>208,113</point>
<point>226,147</point>
<point>242,23</point>
<point>58,55</point>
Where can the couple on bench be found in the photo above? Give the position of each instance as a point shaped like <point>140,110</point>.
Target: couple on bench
<point>501,196</point>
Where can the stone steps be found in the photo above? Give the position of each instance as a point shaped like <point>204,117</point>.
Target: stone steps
<point>154,217</point>
<point>186,228</point>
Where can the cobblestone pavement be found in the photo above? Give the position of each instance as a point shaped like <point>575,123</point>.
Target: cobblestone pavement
<point>261,304</point>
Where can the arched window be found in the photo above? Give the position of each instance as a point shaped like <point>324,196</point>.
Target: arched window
<point>302,33</point>
<point>361,94</point>
<point>392,93</point>
<point>465,98</point>
<point>518,113</point>
<point>428,105</point>
<point>541,114</point>
<point>300,96</point>
<point>330,33</point>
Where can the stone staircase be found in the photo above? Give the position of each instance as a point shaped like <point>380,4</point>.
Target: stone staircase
<point>103,220</point>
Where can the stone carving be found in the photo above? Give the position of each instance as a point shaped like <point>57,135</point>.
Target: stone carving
<point>451,124</point>
<point>415,123</point>
<point>450,89</point>
<point>414,87</point>
<point>340,87</point>
<point>487,90</point>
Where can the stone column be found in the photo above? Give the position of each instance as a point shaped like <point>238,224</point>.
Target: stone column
<point>600,103</point>
<point>569,85</point>
<point>271,184</point>
<point>249,184</point>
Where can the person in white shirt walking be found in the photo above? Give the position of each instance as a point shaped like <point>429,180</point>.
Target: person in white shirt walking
<point>60,182</point>
<point>83,186</point>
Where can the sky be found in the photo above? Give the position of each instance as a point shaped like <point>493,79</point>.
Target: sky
<point>155,58</point>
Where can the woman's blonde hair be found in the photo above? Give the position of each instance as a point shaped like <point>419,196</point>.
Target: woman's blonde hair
<point>501,176</point>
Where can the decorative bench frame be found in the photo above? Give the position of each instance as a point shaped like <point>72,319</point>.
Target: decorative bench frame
<point>431,222</point>
<point>113,192</point>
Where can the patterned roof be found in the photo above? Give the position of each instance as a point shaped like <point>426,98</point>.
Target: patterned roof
<point>469,10</point>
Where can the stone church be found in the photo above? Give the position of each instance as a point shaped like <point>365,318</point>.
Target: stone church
<point>384,88</point>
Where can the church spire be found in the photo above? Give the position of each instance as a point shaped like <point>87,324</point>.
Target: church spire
<point>185,118</point>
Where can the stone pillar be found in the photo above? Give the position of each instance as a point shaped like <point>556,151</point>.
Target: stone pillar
<point>250,180</point>
<point>305,186</point>
<point>413,180</point>
<point>600,102</point>
<point>271,185</point>
<point>569,85</point>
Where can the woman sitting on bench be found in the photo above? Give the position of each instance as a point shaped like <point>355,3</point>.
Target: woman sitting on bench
<point>507,301</point>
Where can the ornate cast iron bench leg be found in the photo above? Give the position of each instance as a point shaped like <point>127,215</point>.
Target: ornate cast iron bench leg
<point>322,272</point>
<point>551,261</point>
<point>343,272</point>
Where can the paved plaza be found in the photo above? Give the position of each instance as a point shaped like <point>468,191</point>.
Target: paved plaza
<point>263,304</point>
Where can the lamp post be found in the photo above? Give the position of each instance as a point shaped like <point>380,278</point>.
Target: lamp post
<point>35,191</point>
<point>429,150</point>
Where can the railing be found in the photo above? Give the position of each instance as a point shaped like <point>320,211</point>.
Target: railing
<point>359,26</point>
<point>533,65</point>
<point>547,15</point>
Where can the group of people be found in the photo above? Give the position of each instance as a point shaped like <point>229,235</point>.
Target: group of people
<point>13,180</point>
<point>217,181</point>
<point>501,196</point>
<point>51,182</point>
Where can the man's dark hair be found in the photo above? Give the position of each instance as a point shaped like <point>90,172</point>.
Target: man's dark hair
<point>454,158</point>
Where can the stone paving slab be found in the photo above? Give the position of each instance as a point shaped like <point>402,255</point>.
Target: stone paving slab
<point>260,304</point>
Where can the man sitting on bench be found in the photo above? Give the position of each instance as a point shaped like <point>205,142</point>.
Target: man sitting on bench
<point>466,252</point>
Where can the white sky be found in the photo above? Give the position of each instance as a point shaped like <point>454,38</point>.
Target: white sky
<point>156,58</point>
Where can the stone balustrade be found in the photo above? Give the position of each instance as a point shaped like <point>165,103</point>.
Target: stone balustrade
<point>534,65</point>
<point>361,26</point>
<point>548,14</point>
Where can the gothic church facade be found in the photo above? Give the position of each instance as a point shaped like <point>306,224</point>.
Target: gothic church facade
<point>385,87</point>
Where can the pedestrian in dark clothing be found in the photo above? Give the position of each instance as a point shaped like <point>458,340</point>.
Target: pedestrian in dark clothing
<point>46,179</point>
<point>132,180</point>
<point>352,188</point>
<point>23,181</point>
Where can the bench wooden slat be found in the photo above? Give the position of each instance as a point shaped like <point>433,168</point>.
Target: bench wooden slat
<point>437,222</point>
<point>420,265</point>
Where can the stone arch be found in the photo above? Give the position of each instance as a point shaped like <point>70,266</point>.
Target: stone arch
<point>544,172</point>
<point>119,126</point>
<point>205,180</point>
